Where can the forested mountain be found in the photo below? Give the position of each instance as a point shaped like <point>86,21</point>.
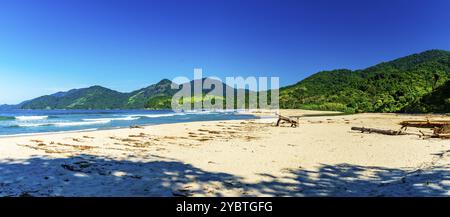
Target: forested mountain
<point>95,97</point>
<point>394,86</point>
<point>416,83</point>
<point>156,96</point>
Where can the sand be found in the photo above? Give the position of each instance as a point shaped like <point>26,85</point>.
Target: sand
<point>321,157</point>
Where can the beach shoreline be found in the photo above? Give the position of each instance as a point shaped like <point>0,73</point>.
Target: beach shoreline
<point>321,157</point>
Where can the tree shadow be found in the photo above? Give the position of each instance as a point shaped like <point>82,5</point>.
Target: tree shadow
<point>346,180</point>
<point>87,175</point>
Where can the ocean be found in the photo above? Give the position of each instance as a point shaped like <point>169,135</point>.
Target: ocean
<point>18,122</point>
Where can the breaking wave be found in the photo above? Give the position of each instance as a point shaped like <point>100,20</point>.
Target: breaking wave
<point>30,118</point>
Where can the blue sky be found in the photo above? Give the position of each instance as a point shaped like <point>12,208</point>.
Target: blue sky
<point>51,45</point>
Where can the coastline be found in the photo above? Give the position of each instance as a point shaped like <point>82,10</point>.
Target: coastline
<point>38,123</point>
<point>321,157</point>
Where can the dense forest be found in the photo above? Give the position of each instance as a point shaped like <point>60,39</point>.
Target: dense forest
<point>436,101</point>
<point>416,83</point>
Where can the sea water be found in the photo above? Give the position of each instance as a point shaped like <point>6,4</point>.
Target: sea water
<point>18,122</point>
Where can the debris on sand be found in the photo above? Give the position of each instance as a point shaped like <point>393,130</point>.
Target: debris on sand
<point>381,131</point>
<point>424,124</point>
<point>71,167</point>
<point>441,129</point>
<point>136,127</point>
<point>77,166</point>
<point>284,119</point>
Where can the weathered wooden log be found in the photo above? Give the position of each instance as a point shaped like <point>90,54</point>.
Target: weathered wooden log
<point>401,132</point>
<point>425,124</point>
<point>293,122</point>
<point>379,131</point>
<point>444,136</point>
<point>385,132</point>
<point>442,130</point>
<point>441,136</point>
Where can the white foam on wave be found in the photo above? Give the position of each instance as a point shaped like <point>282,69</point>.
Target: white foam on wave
<point>64,124</point>
<point>80,123</point>
<point>196,112</point>
<point>30,118</point>
<point>128,118</point>
<point>156,115</point>
<point>225,110</point>
<point>34,125</point>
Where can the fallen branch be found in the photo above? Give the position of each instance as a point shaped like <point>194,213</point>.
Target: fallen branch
<point>401,132</point>
<point>424,124</point>
<point>384,132</point>
<point>440,136</point>
<point>294,123</point>
<point>136,127</point>
<point>442,130</point>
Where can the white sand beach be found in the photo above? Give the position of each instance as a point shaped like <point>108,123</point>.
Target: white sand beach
<point>321,157</point>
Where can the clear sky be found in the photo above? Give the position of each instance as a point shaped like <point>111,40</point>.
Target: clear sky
<point>52,45</point>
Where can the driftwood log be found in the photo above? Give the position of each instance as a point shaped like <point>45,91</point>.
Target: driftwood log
<point>386,132</point>
<point>441,136</point>
<point>401,132</point>
<point>442,130</point>
<point>379,131</point>
<point>424,124</point>
<point>294,123</point>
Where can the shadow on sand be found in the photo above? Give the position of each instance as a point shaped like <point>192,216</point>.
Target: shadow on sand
<point>87,175</point>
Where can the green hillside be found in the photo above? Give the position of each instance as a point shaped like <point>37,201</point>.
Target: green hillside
<point>393,86</point>
<point>154,96</point>
<point>95,97</point>
<point>436,101</point>
<point>416,83</point>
